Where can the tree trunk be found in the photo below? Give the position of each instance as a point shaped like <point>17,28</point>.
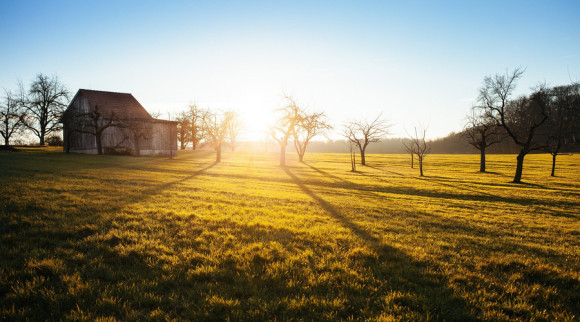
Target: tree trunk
<point>519,166</point>
<point>482,159</point>
<point>218,155</point>
<point>6,140</point>
<point>554,164</point>
<point>282,155</point>
<point>99,144</point>
<point>420,166</point>
<point>362,157</point>
<point>412,159</point>
<point>301,156</point>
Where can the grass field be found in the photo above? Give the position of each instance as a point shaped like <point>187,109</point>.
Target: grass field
<point>126,238</point>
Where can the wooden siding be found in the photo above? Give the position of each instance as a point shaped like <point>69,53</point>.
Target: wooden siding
<point>149,137</point>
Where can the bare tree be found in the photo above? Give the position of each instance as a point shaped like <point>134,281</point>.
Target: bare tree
<point>362,133</point>
<point>11,116</point>
<point>352,152</point>
<point>562,126</point>
<point>482,132</point>
<point>408,147</point>
<point>307,127</point>
<point>141,131</point>
<point>216,127</point>
<point>235,127</point>
<point>45,102</point>
<point>93,122</point>
<point>519,118</point>
<point>418,146</point>
<point>285,126</point>
<point>196,128</point>
<point>183,128</point>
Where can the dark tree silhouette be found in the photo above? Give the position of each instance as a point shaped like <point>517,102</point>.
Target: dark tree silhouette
<point>11,117</point>
<point>196,128</point>
<point>362,133</point>
<point>93,122</point>
<point>418,146</point>
<point>285,126</point>
<point>45,102</point>
<point>482,132</point>
<point>183,128</point>
<point>141,130</point>
<point>563,124</point>
<point>520,118</point>
<point>308,127</point>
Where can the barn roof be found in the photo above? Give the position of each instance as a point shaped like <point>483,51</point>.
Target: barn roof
<point>124,105</point>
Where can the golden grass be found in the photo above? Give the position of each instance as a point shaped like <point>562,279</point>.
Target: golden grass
<point>112,237</point>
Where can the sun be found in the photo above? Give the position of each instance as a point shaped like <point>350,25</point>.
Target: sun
<point>256,125</point>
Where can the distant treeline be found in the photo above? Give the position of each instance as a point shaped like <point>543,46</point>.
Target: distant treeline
<point>454,143</point>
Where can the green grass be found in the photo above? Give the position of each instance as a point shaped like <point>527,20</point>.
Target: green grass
<point>124,238</point>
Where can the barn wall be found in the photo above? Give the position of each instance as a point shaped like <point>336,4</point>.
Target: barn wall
<point>163,140</point>
<point>147,138</point>
<point>79,142</point>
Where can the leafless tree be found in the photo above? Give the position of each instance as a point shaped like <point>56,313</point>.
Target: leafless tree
<point>285,126</point>
<point>216,127</point>
<point>308,126</point>
<point>519,118</point>
<point>140,129</point>
<point>94,122</point>
<point>352,152</point>
<point>362,133</point>
<point>11,116</point>
<point>196,127</point>
<point>418,146</point>
<point>183,128</point>
<point>563,124</point>
<point>482,132</point>
<point>45,102</point>
<point>408,147</point>
<point>235,127</point>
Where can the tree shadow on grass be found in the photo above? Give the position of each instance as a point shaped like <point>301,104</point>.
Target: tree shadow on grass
<point>398,272</point>
<point>385,170</point>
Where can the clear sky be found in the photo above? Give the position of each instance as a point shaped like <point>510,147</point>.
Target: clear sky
<point>418,63</point>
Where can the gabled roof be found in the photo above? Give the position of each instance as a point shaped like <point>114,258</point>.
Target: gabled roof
<point>124,105</point>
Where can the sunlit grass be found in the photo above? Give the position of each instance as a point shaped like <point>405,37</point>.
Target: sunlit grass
<point>86,237</point>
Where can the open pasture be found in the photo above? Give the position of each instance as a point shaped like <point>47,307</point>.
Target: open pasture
<point>126,238</point>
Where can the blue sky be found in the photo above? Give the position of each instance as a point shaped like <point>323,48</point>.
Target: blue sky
<point>418,63</point>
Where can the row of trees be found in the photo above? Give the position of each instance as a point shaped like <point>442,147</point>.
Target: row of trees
<point>548,119</point>
<point>202,127</point>
<point>36,110</point>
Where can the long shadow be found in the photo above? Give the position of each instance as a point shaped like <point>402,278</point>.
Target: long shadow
<point>384,170</point>
<point>410,191</point>
<point>326,174</point>
<point>100,263</point>
<point>396,271</point>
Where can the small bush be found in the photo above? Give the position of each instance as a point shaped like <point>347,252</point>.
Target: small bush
<point>54,141</point>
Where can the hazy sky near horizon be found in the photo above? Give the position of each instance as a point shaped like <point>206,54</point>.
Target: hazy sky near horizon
<point>417,62</point>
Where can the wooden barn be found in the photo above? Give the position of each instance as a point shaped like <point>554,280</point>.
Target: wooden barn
<point>98,122</point>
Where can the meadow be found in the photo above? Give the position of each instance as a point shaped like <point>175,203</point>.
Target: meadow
<point>86,237</point>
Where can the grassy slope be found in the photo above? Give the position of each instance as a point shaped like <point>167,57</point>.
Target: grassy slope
<point>136,238</point>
